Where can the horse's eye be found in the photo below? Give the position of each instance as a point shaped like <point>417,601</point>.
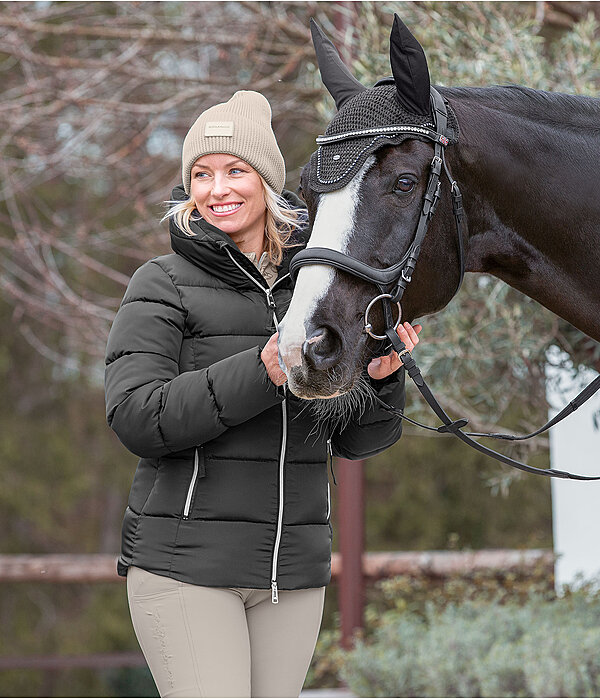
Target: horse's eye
<point>404,184</point>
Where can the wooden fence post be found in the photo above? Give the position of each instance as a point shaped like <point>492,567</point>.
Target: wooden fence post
<point>351,529</point>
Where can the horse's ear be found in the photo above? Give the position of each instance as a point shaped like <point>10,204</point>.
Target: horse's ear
<point>409,67</point>
<point>336,77</point>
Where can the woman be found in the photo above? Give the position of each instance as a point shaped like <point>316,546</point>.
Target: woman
<point>226,537</point>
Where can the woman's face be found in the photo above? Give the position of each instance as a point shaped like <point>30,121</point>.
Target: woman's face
<point>229,195</point>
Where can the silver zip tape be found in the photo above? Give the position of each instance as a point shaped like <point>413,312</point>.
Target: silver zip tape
<point>188,498</point>
<point>274,598</point>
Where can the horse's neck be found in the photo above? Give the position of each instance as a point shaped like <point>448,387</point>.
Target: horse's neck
<point>532,200</point>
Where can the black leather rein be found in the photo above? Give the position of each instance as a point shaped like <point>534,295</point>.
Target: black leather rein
<point>392,282</point>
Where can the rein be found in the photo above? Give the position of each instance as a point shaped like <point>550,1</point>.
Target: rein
<point>454,427</point>
<point>392,282</point>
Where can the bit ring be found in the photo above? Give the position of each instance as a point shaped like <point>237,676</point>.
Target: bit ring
<point>368,327</point>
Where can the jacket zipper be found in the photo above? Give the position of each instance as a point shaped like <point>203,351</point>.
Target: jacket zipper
<point>274,593</point>
<point>330,459</point>
<point>268,291</point>
<point>199,468</point>
<point>271,302</point>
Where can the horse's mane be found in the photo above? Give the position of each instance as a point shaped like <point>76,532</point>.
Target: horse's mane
<point>555,108</point>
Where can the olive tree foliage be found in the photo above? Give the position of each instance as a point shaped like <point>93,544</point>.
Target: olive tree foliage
<point>486,353</point>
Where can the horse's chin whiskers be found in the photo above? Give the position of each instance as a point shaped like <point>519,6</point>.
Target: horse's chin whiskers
<point>336,412</point>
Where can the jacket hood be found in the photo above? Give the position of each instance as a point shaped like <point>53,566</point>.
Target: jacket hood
<point>212,249</point>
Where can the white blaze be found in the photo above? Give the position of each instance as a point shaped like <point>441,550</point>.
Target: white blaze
<point>333,225</point>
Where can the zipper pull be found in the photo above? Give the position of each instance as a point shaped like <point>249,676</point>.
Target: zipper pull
<point>330,459</point>
<point>274,596</point>
<point>270,298</point>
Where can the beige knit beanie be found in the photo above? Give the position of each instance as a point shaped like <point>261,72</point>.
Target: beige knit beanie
<point>241,127</point>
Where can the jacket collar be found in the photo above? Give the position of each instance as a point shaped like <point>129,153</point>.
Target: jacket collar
<point>212,250</point>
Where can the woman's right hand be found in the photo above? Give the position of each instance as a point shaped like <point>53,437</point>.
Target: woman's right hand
<point>270,359</point>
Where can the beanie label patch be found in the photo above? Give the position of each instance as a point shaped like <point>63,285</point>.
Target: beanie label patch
<point>218,129</point>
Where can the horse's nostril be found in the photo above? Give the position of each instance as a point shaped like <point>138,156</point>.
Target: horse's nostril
<point>322,349</point>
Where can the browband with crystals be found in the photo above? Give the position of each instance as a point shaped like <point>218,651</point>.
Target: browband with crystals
<point>392,130</point>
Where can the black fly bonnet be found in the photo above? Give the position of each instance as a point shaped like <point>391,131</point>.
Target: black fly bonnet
<point>371,119</point>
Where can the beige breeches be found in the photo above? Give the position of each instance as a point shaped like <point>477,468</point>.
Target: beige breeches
<point>201,641</point>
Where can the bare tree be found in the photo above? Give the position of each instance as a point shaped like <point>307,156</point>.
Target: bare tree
<point>96,99</point>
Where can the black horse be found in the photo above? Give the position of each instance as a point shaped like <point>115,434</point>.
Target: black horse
<point>526,162</point>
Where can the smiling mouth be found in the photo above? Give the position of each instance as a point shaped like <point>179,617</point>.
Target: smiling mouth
<point>225,209</point>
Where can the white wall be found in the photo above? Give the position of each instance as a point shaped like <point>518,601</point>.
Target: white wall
<point>575,447</point>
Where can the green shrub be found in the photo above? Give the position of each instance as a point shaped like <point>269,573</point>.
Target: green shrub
<point>482,648</point>
<point>412,593</point>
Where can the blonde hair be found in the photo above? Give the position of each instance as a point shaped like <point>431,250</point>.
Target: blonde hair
<point>281,220</point>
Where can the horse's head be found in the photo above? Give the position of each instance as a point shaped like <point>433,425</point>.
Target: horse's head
<point>365,193</point>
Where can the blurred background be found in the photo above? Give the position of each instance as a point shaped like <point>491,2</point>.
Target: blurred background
<point>96,98</point>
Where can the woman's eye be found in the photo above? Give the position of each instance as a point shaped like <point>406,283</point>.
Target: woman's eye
<point>404,185</point>
<point>235,171</point>
<point>199,174</point>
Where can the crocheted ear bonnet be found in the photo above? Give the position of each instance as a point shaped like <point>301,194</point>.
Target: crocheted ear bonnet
<point>393,110</point>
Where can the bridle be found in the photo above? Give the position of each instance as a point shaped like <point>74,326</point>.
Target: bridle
<point>392,282</point>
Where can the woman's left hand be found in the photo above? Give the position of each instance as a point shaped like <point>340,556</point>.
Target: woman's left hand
<point>381,367</point>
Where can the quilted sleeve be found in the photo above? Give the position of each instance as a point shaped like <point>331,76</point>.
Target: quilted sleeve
<point>375,429</point>
<point>152,407</point>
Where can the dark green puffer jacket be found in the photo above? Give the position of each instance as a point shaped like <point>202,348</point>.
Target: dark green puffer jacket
<point>231,488</point>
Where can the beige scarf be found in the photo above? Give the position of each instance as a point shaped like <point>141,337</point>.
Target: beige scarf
<point>266,268</point>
